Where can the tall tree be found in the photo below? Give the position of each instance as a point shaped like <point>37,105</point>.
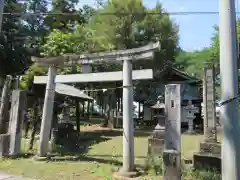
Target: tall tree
<point>193,62</point>
<point>14,56</point>
<point>128,24</point>
<point>35,25</point>
<point>157,25</point>
<point>64,14</point>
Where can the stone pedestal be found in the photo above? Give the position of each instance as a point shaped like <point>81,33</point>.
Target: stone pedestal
<point>4,144</point>
<point>155,146</point>
<point>124,175</point>
<point>190,126</point>
<point>155,149</point>
<point>112,121</point>
<point>16,121</point>
<point>53,144</point>
<point>209,156</point>
<point>156,141</point>
<point>119,122</point>
<point>171,165</point>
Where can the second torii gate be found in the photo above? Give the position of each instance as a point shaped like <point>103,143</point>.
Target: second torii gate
<point>127,56</point>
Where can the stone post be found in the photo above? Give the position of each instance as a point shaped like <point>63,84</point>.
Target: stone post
<point>47,112</point>
<point>128,130</point>
<point>18,107</point>
<point>172,140</point>
<point>210,150</point>
<point>210,131</point>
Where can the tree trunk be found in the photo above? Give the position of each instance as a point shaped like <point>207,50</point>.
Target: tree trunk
<point>121,105</point>
<point>83,109</point>
<point>107,110</point>
<point>32,137</point>
<point>27,126</point>
<point>88,110</point>
<point>139,110</point>
<point>35,122</point>
<point>77,115</point>
<point>101,104</point>
<point>118,103</point>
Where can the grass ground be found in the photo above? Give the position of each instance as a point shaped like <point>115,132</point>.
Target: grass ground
<point>102,156</point>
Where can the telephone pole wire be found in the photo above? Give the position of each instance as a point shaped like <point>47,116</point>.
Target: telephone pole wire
<point>229,89</point>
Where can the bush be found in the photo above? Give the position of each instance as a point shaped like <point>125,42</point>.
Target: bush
<point>191,174</point>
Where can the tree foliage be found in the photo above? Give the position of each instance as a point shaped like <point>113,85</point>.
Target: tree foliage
<point>81,30</point>
<point>193,62</point>
<point>133,29</point>
<point>14,55</point>
<point>63,14</point>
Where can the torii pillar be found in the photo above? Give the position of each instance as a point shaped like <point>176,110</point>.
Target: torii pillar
<point>47,114</point>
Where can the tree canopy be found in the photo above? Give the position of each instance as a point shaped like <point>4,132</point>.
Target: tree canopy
<point>193,62</point>
<point>112,25</point>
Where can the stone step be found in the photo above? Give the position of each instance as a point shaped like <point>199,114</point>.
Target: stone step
<point>204,160</point>
<point>211,147</point>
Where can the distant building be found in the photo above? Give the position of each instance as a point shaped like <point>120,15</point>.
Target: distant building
<point>147,93</point>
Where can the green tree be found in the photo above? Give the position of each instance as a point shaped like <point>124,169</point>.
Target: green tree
<point>13,52</point>
<point>129,24</point>
<point>64,15</point>
<point>215,43</point>
<point>157,25</point>
<point>35,25</point>
<point>193,62</point>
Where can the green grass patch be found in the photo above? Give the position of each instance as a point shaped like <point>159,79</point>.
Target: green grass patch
<point>99,161</point>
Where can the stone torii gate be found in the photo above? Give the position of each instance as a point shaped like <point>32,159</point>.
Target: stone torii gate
<point>127,56</point>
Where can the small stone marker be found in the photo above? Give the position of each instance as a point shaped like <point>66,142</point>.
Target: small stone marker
<point>210,150</point>
<point>16,120</point>
<point>172,150</point>
<point>191,110</point>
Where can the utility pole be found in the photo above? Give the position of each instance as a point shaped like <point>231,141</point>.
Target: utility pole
<point>229,89</point>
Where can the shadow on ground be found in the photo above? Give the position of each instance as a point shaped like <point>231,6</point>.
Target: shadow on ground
<point>76,146</point>
<point>93,159</point>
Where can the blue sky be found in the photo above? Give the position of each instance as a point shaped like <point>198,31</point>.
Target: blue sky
<point>195,30</point>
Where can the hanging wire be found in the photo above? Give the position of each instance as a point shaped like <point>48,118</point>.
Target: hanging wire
<point>121,13</point>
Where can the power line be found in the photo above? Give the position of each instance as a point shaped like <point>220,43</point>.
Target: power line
<point>122,13</point>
